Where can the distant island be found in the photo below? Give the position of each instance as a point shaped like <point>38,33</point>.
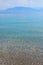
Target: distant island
<point>21,9</point>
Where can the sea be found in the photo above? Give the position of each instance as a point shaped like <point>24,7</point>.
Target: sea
<point>21,32</point>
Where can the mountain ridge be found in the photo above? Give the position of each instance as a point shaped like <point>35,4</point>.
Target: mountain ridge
<point>21,9</point>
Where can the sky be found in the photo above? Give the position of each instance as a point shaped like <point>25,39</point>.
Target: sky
<point>4,4</point>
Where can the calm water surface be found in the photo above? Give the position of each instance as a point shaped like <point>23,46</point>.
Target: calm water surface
<point>23,31</point>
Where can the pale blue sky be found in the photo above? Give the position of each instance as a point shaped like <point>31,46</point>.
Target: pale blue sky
<point>25,3</point>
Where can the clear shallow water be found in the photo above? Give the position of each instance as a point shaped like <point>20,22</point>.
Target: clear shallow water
<point>23,31</point>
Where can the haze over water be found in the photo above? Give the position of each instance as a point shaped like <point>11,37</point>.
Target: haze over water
<point>24,31</point>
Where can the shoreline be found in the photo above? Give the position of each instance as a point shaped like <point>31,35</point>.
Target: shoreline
<point>20,57</point>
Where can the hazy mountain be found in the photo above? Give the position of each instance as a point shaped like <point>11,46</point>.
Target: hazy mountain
<point>21,9</point>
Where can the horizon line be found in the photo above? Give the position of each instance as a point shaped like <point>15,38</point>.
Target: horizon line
<point>21,7</point>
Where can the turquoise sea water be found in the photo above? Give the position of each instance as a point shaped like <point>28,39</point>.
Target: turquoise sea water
<point>23,31</point>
